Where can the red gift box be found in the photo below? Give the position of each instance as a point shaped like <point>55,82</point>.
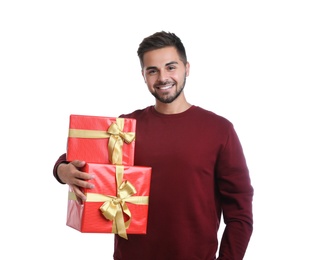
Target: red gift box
<point>118,203</point>
<point>96,139</point>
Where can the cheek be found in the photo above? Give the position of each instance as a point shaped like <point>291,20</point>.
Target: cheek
<point>150,84</point>
<point>178,77</point>
<point>150,81</point>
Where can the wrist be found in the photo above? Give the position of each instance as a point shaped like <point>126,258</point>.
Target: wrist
<point>57,172</point>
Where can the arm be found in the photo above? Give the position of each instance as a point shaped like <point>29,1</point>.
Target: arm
<point>236,195</point>
<point>69,173</point>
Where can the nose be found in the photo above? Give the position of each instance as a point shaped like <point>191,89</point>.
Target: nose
<point>162,76</point>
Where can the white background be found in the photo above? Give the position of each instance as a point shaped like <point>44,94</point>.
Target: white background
<point>251,62</point>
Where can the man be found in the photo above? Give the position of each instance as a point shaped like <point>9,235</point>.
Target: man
<point>198,168</point>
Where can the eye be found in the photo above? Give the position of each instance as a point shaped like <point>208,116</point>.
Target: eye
<point>151,72</point>
<point>171,67</point>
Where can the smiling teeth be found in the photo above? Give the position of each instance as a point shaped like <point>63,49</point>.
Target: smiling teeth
<point>165,87</point>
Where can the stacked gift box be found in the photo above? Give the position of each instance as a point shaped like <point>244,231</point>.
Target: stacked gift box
<point>119,201</point>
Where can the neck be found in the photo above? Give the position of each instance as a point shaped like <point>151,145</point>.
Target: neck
<point>172,108</point>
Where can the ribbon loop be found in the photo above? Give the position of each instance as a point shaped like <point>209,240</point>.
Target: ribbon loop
<point>116,130</point>
<point>109,210</point>
<point>116,140</point>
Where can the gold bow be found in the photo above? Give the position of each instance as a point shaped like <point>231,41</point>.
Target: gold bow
<point>114,207</point>
<point>116,138</point>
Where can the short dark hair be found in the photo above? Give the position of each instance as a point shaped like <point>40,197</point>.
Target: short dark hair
<point>160,40</point>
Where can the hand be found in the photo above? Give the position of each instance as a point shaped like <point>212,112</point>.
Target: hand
<point>70,173</point>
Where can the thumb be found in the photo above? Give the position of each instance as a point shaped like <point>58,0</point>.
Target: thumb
<point>78,164</point>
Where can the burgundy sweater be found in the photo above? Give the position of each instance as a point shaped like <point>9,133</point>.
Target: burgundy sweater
<point>198,173</point>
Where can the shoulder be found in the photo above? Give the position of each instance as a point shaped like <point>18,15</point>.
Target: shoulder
<point>139,113</point>
<point>209,116</point>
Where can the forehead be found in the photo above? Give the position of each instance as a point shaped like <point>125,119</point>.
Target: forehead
<point>160,57</point>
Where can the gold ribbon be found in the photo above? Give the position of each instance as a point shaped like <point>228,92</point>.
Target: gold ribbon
<point>116,138</point>
<point>114,207</point>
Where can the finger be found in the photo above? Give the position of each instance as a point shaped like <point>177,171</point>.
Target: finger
<point>79,194</point>
<point>83,175</point>
<point>83,184</point>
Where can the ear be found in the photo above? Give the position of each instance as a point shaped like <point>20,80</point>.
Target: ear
<point>187,69</point>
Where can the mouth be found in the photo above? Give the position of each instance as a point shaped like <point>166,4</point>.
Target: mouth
<point>165,87</point>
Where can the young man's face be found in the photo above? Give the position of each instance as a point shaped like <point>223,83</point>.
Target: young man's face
<point>164,73</point>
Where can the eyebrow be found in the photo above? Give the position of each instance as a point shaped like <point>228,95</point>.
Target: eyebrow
<point>167,64</point>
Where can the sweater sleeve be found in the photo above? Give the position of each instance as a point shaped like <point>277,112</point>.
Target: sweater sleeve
<point>236,199</point>
<point>61,159</point>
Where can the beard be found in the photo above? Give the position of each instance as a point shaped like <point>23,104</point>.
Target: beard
<point>170,99</point>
